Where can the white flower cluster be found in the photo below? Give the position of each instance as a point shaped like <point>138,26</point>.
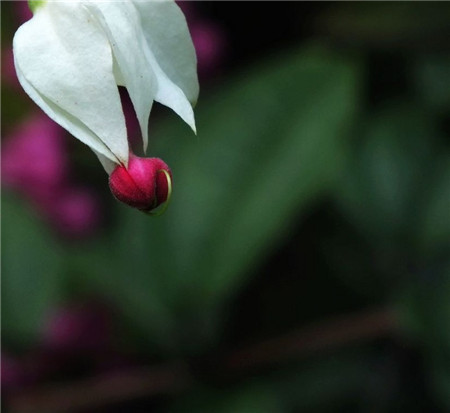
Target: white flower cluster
<point>71,56</point>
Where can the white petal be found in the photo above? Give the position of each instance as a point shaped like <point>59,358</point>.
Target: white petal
<point>168,37</point>
<point>66,66</point>
<point>107,164</point>
<point>164,22</point>
<point>121,24</point>
<point>172,96</point>
<point>136,66</point>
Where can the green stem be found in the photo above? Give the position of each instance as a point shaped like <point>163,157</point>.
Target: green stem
<point>35,4</point>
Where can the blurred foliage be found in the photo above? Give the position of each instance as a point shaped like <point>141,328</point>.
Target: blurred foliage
<point>32,284</point>
<point>388,25</point>
<point>303,145</point>
<point>185,264</point>
<point>312,387</point>
<point>433,81</point>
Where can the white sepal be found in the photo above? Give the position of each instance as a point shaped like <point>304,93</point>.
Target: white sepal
<point>71,56</point>
<point>64,63</point>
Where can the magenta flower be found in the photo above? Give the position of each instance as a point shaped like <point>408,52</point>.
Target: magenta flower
<point>35,164</point>
<point>210,43</point>
<point>12,372</point>
<point>9,76</point>
<point>21,371</point>
<point>34,160</point>
<point>209,39</point>
<point>77,328</point>
<point>75,211</point>
<point>23,11</point>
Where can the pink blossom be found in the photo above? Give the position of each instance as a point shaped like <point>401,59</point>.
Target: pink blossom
<point>9,76</point>
<point>210,44</point>
<point>188,9</point>
<point>17,372</point>
<point>75,212</point>
<point>11,372</point>
<point>35,164</point>
<point>34,159</point>
<point>209,39</point>
<point>23,11</point>
<point>77,328</point>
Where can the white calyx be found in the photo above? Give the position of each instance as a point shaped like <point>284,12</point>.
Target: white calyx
<point>71,56</point>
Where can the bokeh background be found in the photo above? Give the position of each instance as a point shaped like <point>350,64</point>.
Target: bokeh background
<point>303,264</point>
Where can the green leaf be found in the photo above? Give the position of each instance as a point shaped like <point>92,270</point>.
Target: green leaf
<point>434,227</point>
<point>35,4</point>
<point>424,309</point>
<point>269,144</point>
<point>432,80</point>
<point>31,272</point>
<point>124,266</point>
<point>328,384</point>
<point>388,25</point>
<point>383,187</point>
<point>250,399</point>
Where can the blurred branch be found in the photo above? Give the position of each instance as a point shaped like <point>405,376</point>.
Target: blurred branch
<point>175,377</point>
<point>103,390</point>
<point>327,335</point>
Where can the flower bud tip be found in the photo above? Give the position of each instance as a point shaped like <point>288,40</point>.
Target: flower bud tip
<point>146,184</point>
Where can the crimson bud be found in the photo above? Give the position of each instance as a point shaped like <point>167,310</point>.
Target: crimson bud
<point>145,184</point>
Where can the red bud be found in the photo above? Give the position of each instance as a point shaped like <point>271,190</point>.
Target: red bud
<point>143,185</point>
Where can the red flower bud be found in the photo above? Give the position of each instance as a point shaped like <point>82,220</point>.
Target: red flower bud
<point>145,184</point>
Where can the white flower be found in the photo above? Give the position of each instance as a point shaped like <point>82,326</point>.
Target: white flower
<point>71,56</point>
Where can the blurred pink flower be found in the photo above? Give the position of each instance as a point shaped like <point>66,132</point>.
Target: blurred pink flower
<point>75,212</point>
<point>78,328</point>
<point>34,157</point>
<point>23,11</point>
<point>209,39</point>
<point>188,9</point>
<point>9,76</point>
<point>210,44</point>
<point>17,372</point>
<point>12,373</point>
<point>35,164</point>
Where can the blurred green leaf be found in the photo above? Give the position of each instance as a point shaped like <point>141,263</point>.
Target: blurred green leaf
<point>328,384</point>
<point>424,309</point>
<point>332,381</point>
<point>434,227</point>
<point>441,379</point>
<point>32,272</point>
<point>394,193</point>
<point>269,144</point>
<point>390,25</point>
<point>247,399</point>
<point>123,267</point>
<point>382,189</point>
<point>432,79</point>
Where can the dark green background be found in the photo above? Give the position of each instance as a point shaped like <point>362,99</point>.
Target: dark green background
<point>318,187</point>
